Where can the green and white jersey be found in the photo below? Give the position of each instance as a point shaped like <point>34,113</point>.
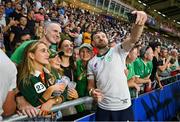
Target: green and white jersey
<point>142,69</point>
<point>130,68</point>
<point>108,73</point>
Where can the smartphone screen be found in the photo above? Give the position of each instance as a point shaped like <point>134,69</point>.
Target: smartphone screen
<point>131,17</point>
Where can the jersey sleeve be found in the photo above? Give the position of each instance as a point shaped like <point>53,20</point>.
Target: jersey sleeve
<point>90,74</point>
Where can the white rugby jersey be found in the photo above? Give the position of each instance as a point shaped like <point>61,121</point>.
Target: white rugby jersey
<point>108,73</point>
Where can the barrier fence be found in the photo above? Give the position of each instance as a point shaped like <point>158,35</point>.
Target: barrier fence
<point>160,104</point>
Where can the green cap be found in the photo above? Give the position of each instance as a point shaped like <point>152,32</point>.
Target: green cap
<point>17,56</point>
<point>53,53</point>
<point>85,45</point>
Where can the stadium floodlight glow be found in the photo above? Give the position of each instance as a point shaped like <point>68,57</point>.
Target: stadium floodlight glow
<point>163,15</point>
<point>159,12</point>
<point>144,4</point>
<point>139,1</point>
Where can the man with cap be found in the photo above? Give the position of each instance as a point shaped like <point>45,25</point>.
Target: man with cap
<point>107,82</point>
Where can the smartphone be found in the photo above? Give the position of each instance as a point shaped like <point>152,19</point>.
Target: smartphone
<point>131,17</point>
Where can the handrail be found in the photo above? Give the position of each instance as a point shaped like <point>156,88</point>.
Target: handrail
<point>168,77</point>
<point>78,101</point>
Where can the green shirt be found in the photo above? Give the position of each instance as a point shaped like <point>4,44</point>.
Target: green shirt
<point>81,79</point>
<point>131,72</point>
<point>142,69</point>
<point>58,77</point>
<point>17,56</point>
<point>34,90</point>
<point>82,83</point>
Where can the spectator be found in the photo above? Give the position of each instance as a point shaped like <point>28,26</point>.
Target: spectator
<point>131,77</point>
<point>8,10</point>
<point>143,66</point>
<point>31,23</point>
<point>86,54</point>
<point>154,75</point>
<point>87,35</point>
<point>39,32</point>
<point>78,39</point>
<point>57,71</point>
<point>8,83</point>
<point>164,61</point>
<point>51,38</point>
<point>110,89</point>
<point>16,14</point>
<point>67,64</point>
<point>76,54</point>
<point>174,54</point>
<point>40,15</point>
<point>17,32</point>
<point>65,34</point>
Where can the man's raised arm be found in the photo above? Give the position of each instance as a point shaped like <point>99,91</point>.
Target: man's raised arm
<point>136,31</point>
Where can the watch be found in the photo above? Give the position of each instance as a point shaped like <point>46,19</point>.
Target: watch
<point>57,100</point>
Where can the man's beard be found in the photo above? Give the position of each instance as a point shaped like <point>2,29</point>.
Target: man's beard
<point>101,46</point>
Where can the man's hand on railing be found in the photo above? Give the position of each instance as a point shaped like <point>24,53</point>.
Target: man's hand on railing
<point>24,108</point>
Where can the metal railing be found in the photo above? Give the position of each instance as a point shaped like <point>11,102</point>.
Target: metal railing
<point>78,101</point>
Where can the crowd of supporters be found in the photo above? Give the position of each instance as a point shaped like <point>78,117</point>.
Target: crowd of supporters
<point>51,45</point>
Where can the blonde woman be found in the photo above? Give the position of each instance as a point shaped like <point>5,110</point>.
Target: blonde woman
<point>35,82</point>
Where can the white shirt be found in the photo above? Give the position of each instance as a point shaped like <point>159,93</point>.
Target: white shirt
<point>108,72</point>
<point>8,73</point>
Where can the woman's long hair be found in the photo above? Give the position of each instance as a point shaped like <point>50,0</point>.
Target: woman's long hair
<point>27,66</point>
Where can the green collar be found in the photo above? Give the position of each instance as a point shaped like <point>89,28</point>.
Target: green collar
<point>100,55</point>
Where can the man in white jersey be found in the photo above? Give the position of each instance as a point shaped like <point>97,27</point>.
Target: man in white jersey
<point>107,82</point>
